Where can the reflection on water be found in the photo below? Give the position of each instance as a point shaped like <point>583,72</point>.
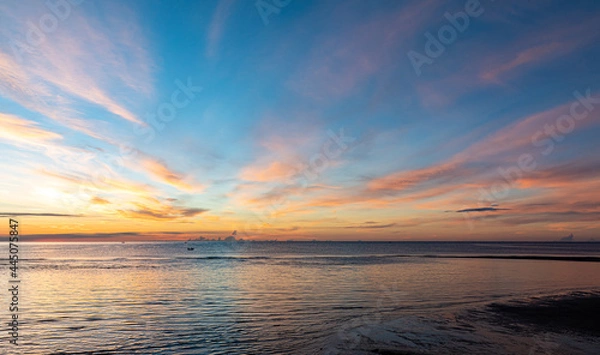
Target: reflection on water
<point>265,298</point>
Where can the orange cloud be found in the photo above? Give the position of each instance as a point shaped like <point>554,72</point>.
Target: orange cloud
<point>275,171</point>
<point>24,132</point>
<point>164,212</point>
<point>160,172</point>
<point>99,201</point>
<point>101,182</point>
<point>406,179</point>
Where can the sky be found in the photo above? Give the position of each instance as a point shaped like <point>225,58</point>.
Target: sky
<point>300,120</point>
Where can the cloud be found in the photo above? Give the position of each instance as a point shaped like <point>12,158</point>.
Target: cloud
<point>482,209</point>
<point>85,236</point>
<point>575,218</point>
<point>526,56</point>
<point>374,226</point>
<point>103,180</point>
<point>563,175</point>
<point>99,201</point>
<point>274,171</point>
<point>565,35</point>
<point>29,135</point>
<point>353,54</point>
<point>477,165</point>
<point>407,179</point>
<point>191,212</point>
<point>122,195</point>
<point>217,25</point>
<point>290,229</point>
<point>24,132</point>
<point>84,61</point>
<point>154,209</point>
<point>160,172</point>
<point>525,47</point>
<point>31,214</point>
<point>123,236</point>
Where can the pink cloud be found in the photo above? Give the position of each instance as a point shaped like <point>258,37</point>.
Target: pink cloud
<point>554,39</point>
<point>500,149</point>
<point>534,54</point>
<point>66,66</point>
<point>275,171</point>
<point>539,46</point>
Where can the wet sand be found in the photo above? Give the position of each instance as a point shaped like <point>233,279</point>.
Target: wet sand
<point>555,324</point>
<point>576,312</point>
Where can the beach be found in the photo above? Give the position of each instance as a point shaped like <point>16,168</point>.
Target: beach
<point>551,324</point>
<point>308,298</point>
<point>299,177</point>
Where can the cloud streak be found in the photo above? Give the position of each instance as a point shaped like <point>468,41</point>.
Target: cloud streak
<point>482,209</point>
<point>374,226</point>
<point>82,62</point>
<point>24,132</point>
<point>41,214</point>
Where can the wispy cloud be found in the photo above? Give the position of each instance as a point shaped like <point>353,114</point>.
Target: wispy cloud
<point>24,132</point>
<point>41,214</point>
<point>81,62</point>
<point>343,61</point>
<point>372,226</point>
<point>99,201</point>
<point>162,173</point>
<point>274,171</point>
<point>525,47</point>
<point>161,212</point>
<point>103,183</point>
<point>217,25</point>
<point>526,56</point>
<point>571,32</point>
<point>472,165</point>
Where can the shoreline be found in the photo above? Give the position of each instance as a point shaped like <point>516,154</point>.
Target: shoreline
<point>552,324</point>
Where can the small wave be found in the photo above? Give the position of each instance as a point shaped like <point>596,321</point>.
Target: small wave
<point>218,257</point>
<point>93,319</point>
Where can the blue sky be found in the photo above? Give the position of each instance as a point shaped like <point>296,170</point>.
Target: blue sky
<point>301,119</point>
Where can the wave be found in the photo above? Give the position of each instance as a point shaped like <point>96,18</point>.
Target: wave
<point>140,262</point>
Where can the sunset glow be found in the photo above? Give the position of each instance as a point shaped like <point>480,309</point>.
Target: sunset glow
<point>128,122</point>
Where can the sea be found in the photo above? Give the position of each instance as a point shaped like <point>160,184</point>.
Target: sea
<point>292,297</point>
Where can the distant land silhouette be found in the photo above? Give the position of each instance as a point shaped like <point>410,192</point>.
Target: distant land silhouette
<point>568,238</point>
<point>230,238</point>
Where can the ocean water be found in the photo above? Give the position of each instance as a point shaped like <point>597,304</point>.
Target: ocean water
<point>265,297</point>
